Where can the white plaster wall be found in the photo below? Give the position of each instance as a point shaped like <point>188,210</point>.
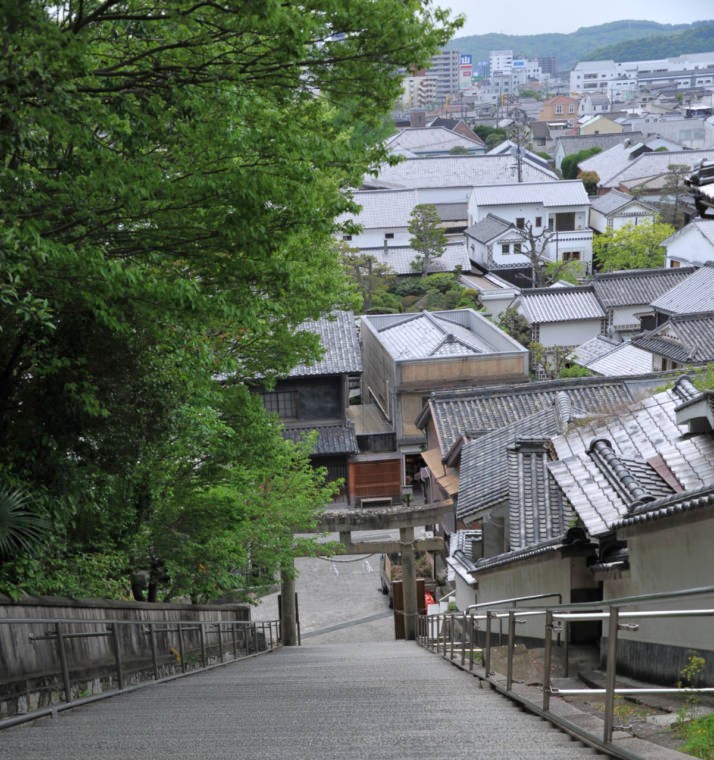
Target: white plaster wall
<point>689,247</point>
<point>569,333</point>
<point>374,238</point>
<point>542,576</point>
<point>669,560</point>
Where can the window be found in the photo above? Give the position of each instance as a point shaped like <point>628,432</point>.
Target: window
<point>571,255</point>
<point>389,236</point>
<point>564,221</point>
<point>520,222</point>
<point>539,221</point>
<point>571,108</point>
<point>283,403</point>
<point>505,248</point>
<point>559,108</point>
<point>347,237</point>
<point>516,248</point>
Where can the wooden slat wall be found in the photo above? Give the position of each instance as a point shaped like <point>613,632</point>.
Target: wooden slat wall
<point>371,479</point>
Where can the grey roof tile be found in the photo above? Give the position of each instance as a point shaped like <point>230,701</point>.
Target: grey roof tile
<point>332,438</point>
<point>694,294</point>
<point>400,258</point>
<point>338,336</point>
<point>685,339</point>
<point>636,287</point>
<point>559,304</point>
<point>548,194</point>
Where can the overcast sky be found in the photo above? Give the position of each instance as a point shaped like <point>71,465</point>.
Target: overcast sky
<point>520,17</point>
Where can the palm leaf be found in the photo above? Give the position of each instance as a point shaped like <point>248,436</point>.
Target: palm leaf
<point>21,529</point>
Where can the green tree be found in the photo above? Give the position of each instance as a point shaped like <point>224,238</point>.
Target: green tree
<point>631,247</point>
<point>569,165</point>
<point>169,180</point>
<point>590,180</point>
<point>427,237</point>
<point>674,189</point>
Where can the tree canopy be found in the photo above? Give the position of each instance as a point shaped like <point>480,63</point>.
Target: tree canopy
<point>169,180</point>
<point>631,247</point>
<point>428,239</point>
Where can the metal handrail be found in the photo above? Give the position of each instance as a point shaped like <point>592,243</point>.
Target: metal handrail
<point>555,616</point>
<point>257,637</point>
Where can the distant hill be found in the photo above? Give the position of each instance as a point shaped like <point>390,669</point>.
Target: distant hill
<point>580,45</point>
<point>698,39</point>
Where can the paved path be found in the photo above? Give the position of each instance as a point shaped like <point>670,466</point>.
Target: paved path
<point>350,692</point>
<point>380,701</point>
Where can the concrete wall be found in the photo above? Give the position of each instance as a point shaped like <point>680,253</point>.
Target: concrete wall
<point>667,557</point>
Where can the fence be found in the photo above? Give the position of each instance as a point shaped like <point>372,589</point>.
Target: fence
<point>141,651</point>
<point>470,635</point>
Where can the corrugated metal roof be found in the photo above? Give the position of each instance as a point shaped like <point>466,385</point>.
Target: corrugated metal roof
<point>562,193</point>
<point>542,305</point>
<point>636,287</point>
<point>457,171</point>
<point>694,294</point>
<point>338,335</point>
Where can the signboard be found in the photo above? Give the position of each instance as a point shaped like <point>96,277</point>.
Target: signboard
<point>465,71</point>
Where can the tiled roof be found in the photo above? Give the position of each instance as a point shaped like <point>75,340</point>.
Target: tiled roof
<point>593,349</point>
<point>636,287</point>
<point>615,201</point>
<point>536,512</point>
<point>542,305</point>
<point>489,408</point>
<point>423,335</point>
<point>431,139</point>
<point>332,438</point>
<point>338,335</point>
<point>623,359</point>
<point>483,474</point>
<point>399,258</point>
<point>654,165</point>
<point>562,193</point>
<point>548,547</point>
<point>490,227</point>
<point>670,506</point>
<point>382,208</point>
<point>694,294</point>
<point>576,143</point>
<point>457,171</point>
<point>687,338</point>
<point>642,455</point>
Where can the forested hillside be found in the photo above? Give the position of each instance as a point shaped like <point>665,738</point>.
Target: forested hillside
<point>698,39</point>
<point>582,44</point>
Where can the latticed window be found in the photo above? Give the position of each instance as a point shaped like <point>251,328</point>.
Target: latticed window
<point>283,403</point>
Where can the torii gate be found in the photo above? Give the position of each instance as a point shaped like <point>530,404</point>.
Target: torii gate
<point>406,518</point>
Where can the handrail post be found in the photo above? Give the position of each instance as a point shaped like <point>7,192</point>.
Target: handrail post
<point>234,639</point>
<point>511,643</point>
<point>220,640</point>
<point>463,639</point>
<point>547,658</point>
<point>181,650</point>
<point>452,628</point>
<point>487,644</point>
<point>444,625</point>
<point>154,658</point>
<point>471,642</point>
<point>63,663</point>
<point>117,655</point>
<point>611,673</point>
<point>202,639</point>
